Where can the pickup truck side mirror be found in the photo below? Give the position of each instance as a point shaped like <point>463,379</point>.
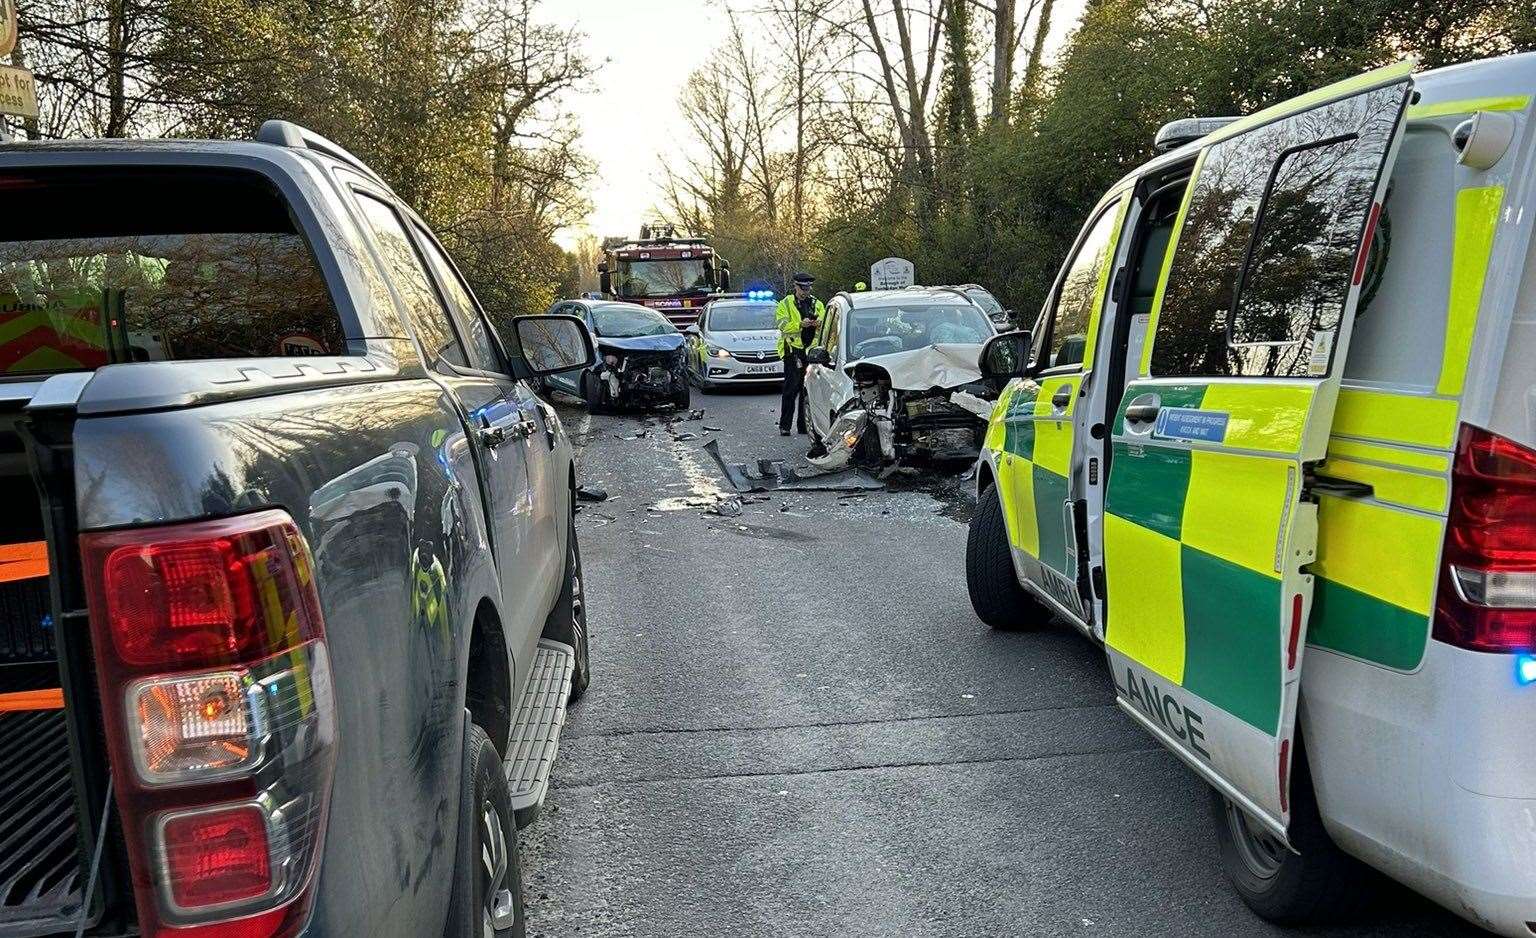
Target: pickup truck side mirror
<point>816,355</point>
<point>604,280</point>
<point>725,280</point>
<point>552,344</point>
<point>1003,357</point>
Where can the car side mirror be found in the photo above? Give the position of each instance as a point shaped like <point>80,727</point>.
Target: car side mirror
<point>552,344</point>
<point>692,328</point>
<point>1003,357</point>
<point>817,356</point>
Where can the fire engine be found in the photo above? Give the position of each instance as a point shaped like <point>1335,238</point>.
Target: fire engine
<point>674,275</point>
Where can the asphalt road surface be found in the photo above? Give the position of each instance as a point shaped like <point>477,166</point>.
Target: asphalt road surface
<point>797,726</point>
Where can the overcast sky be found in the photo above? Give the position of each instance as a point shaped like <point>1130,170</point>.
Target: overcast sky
<point>631,121</point>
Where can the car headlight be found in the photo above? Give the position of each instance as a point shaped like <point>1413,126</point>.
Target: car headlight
<point>716,351</point>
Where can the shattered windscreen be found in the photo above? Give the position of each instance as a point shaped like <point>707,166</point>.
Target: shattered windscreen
<point>883,330</point>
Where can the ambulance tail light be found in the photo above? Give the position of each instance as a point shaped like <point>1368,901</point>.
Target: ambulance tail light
<point>1487,595</point>
<point>220,719</point>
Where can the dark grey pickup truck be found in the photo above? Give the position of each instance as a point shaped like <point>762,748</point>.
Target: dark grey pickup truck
<point>290,597</point>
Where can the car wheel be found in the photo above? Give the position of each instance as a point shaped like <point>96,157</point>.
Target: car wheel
<point>1316,883</point>
<point>682,399</point>
<point>593,393</point>
<point>990,579</point>
<point>567,622</point>
<point>487,898</point>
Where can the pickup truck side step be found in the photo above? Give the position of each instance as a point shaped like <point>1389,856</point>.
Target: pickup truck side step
<point>536,730</point>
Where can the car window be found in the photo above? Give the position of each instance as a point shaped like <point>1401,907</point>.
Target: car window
<point>483,353</point>
<point>124,264</point>
<point>622,321</point>
<point>741,317</point>
<point>1067,333</point>
<point>882,330</point>
<point>1264,264</point>
<point>427,315</point>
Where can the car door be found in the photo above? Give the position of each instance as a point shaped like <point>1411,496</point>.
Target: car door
<point>1042,415</point>
<point>487,357</point>
<point>567,381</point>
<point>490,406</point>
<point>821,381</point>
<point>1209,527</point>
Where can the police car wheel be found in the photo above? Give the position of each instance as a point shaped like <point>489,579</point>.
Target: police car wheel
<point>994,588</point>
<point>1317,883</point>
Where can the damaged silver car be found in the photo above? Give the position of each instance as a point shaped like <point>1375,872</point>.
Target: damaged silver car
<point>893,379</point>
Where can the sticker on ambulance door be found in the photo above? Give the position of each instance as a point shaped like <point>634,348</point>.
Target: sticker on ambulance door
<point>1322,352</point>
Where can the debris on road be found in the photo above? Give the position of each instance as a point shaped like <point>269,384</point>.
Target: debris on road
<point>771,474</point>
<point>591,493</point>
<point>728,507</point>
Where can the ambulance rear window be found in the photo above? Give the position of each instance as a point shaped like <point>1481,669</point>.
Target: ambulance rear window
<point>1399,338</point>
<point>1264,263</point>
<point>141,264</point>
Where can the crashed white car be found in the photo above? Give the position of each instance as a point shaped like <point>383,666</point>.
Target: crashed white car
<point>893,378</point>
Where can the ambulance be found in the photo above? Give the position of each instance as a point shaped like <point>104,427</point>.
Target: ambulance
<point>1272,443</point>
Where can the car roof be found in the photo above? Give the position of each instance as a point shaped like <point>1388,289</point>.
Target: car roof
<point>911,296</point>
<point>620,304</point>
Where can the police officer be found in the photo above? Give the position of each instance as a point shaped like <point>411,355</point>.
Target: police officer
<point>797,315</point>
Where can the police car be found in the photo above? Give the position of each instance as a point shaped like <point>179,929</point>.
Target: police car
<point>735,342</point>
<point>1272,441</point>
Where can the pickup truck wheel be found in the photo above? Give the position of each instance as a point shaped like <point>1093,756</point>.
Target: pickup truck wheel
<point>567,622</point>
<point>487,899</point>
<point>990,579</point>
<point>1317,884</point>
<point>593,393</point>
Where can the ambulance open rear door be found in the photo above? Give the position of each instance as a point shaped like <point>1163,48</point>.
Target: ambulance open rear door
<point>1209,528</point>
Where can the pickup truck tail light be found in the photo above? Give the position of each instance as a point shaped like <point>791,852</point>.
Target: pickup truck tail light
<point>1486,600</point>
<point>221,723</point>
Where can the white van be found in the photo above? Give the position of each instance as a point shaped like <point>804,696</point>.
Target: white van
<point>1273,443</point>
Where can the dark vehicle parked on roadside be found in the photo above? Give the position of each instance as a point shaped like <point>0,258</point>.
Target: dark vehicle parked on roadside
<point>641,358</point>
<point>288,577</point>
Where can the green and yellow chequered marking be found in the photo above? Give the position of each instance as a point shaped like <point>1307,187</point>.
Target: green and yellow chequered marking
<point>1376,569</point>
<point>1191,548</point>
<point>1370,600</point>
<point>1034,459</point>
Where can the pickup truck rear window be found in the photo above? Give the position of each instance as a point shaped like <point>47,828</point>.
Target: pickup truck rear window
<point>108,265</point>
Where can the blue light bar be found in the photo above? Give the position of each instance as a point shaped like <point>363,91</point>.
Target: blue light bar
<point>759,294</point>
<point>1525,669</point>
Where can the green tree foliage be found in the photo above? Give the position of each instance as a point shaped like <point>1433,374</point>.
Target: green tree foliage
<point>1009,199</point>
<point>456,103</point>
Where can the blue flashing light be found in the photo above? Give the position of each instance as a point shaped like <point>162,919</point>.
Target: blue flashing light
<point>759,294</point>
<point>1525,669</point>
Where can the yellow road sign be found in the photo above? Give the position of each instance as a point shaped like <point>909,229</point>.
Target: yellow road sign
<point>18,91</point>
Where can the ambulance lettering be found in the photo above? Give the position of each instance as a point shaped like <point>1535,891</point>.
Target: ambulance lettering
<point>1182,721</point>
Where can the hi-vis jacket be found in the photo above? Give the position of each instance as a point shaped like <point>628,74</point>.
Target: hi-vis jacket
<point>787,315</point>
